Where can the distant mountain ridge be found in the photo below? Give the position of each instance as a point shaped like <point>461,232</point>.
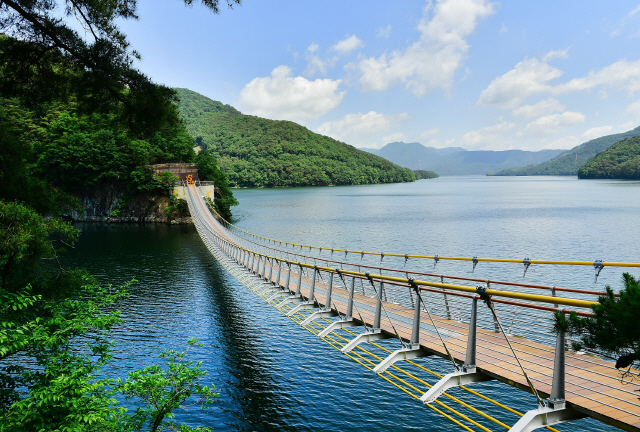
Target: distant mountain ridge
<point>570,161</point>
<point>458,161</point>
<point>257,152</point>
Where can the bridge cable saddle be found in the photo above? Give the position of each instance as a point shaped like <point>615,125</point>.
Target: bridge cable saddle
<point>598,265</point>
<point>527,263</point>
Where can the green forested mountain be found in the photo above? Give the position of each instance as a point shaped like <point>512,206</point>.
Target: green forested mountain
<point>620,161</point>
<point>256,152</point>
<point>458,161</point>
<point>569,162</point>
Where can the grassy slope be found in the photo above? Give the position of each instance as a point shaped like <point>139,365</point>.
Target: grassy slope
<point>620,161</point>
<point>257,152</point>
<point>566,163</point>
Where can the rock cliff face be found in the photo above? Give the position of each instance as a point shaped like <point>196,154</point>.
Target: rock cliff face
<point>119,205</point>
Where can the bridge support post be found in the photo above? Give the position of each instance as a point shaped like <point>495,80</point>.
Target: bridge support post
<point>556,410</point>
<point>347,321</point>
<point>310,303</point>
<point>413,351</point>
<point>375,333</point>
<point>324,311</point>
<point>468,374</point>
<point>270,270</point>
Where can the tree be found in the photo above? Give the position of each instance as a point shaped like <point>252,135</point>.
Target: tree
<point>613,328</point>
<point>100,66</point>
<point>208,171</point>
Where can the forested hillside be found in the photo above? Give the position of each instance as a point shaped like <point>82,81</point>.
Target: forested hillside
<point>256,152</point>
<point>620,161</point>
<point>569,162</point>
<point>458,161</point>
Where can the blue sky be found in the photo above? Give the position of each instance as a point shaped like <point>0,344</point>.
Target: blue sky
<point>468,73</point>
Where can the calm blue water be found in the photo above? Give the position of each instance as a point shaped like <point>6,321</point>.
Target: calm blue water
<point>277,376</point>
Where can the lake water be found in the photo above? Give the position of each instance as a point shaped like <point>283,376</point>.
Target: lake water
<point>277,376</point>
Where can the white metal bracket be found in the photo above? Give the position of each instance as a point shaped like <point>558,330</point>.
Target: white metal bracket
<point>276,294</point>
<point>290,299</point>
<point>455,379</point>
<point>364,337</point>
<point>300,306</point>
<point>318,314</point>
<point>338,325</point>
<point>545,416</point>
<point>401,354</point>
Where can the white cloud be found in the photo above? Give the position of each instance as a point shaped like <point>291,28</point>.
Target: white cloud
<point>316,64</point>
<point>429,133</point>
<point>282,96</point>
<point>384,32</point>
<point>503,29</point>
<point>544,107</point>
<point>621,75</point>
<point>633,110</point>
<point>347,45</point>
<point>396,137</point>
<point>548,125</point>
<point>555,54</point>
<point>624,20</point>
<point>496,137</point>
<point>528,77</point>
<point>627,126</point>
<point>358,126</point>
<point>566,142</point>
<point>596,132</point>
<point>432,61</point>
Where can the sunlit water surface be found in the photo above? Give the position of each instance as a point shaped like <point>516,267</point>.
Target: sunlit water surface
<point>275,375</point>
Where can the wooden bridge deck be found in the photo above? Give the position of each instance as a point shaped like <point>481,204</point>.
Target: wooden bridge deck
<point>593,385</point>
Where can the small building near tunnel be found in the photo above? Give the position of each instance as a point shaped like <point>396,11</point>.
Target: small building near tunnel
<point>186,173</point>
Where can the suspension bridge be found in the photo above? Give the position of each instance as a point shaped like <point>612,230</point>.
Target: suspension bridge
<point>387,318</point>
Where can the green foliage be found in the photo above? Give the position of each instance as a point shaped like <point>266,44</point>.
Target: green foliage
<point>614,327</point>
<point>96,63</point>
<point>176,207</point>
<point>26,239</point>
<point>208,171</point>
<point>569,162</point>
<point>423,174</point>
<point>256,152</point>
<point>620,161</point>
<point>77,152</point>
<point>164,390</point>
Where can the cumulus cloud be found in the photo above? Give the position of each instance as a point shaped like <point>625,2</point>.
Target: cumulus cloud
<point>282,96</point>
<point>621,75</point>
<point>544,107</point>
<point>384,32</point>
<point>528,77</point>
<point>566,142</point>
<point>551,124</point>
<point>347,45</point>
<point>315,63</point>
<point>555,54</point>
<point>396,137</point>
<point>534,76</point>
<point>358,126</point>
<point>633,110</point>
<point>596,132</point>
<point>496,137</point>
<point>431,62</point>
